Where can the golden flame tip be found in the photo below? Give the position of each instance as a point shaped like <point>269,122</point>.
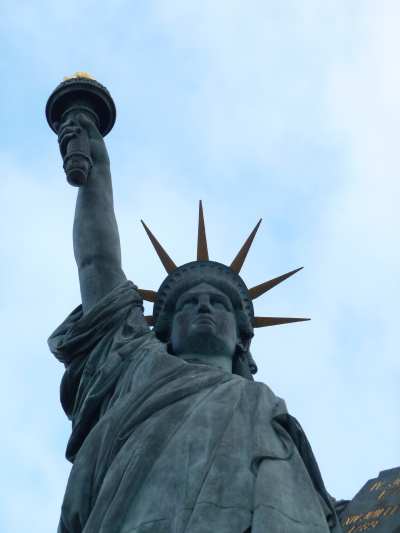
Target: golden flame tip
<point>77,75</point>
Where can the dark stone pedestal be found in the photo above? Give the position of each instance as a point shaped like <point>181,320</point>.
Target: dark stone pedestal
<point>376,507</point>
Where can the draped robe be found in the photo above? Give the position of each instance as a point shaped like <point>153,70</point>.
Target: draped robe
<point>160,445</point>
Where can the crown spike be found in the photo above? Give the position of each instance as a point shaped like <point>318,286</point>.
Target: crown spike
<point>149,296</point>
<point>167,262</point>
<point>237,263</point>
<point>149,319</point>
<point>258,290</point>
<point>202,250</point>
<point>264,321</point>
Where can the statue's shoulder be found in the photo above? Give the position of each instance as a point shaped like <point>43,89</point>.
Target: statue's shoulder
<point>266,396</point>
<point>145,341</point>
<point>264,389</point>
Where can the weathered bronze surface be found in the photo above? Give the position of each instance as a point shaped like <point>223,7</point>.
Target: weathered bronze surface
<point>170,432</point>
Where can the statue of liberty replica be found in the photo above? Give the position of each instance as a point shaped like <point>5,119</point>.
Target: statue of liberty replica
<point>170,431</point>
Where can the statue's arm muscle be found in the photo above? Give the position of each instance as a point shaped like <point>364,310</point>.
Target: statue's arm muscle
<point>96,239</point>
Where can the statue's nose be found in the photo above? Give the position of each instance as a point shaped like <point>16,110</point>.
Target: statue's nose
<point>204,305</point>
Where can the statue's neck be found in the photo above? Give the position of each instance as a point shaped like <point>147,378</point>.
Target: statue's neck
<point>220,361</point>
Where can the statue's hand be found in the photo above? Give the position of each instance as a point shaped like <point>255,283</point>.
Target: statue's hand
<point>72,127</point>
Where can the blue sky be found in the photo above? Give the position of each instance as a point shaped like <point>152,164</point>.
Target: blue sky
<point>287,111</point>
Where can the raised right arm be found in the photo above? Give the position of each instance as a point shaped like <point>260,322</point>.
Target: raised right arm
<point>95,234</point>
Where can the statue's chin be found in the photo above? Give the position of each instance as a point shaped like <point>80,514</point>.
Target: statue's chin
<point>204,342</point>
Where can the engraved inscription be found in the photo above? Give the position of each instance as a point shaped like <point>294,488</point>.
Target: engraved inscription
<point>376,507</point>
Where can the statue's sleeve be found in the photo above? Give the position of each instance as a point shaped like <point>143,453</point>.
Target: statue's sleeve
<point>88,345</point>
<point>80,333</point>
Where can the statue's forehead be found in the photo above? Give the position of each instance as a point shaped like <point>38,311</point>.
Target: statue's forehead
<point>203,287</point>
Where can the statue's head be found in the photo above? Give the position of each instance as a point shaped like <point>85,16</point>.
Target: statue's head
<point>205,308</point>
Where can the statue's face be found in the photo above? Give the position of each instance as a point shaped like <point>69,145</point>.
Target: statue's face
<point>204,323</point>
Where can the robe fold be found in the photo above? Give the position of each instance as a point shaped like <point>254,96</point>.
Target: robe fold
<point>160,445</point>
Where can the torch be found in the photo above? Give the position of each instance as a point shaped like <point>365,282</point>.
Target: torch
<point>80,94</point>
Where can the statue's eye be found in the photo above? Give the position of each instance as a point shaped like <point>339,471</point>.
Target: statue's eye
<point>188,303</point>
<point>220,303</point>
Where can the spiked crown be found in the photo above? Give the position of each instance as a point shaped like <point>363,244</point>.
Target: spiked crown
<point>202,268</point>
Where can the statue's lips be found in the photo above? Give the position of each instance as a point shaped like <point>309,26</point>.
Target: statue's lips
<point>204,321</point>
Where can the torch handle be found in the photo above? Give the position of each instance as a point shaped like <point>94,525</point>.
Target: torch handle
<point>77,162</point>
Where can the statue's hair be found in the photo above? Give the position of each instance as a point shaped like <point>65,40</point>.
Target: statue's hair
<point>223,278</point>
